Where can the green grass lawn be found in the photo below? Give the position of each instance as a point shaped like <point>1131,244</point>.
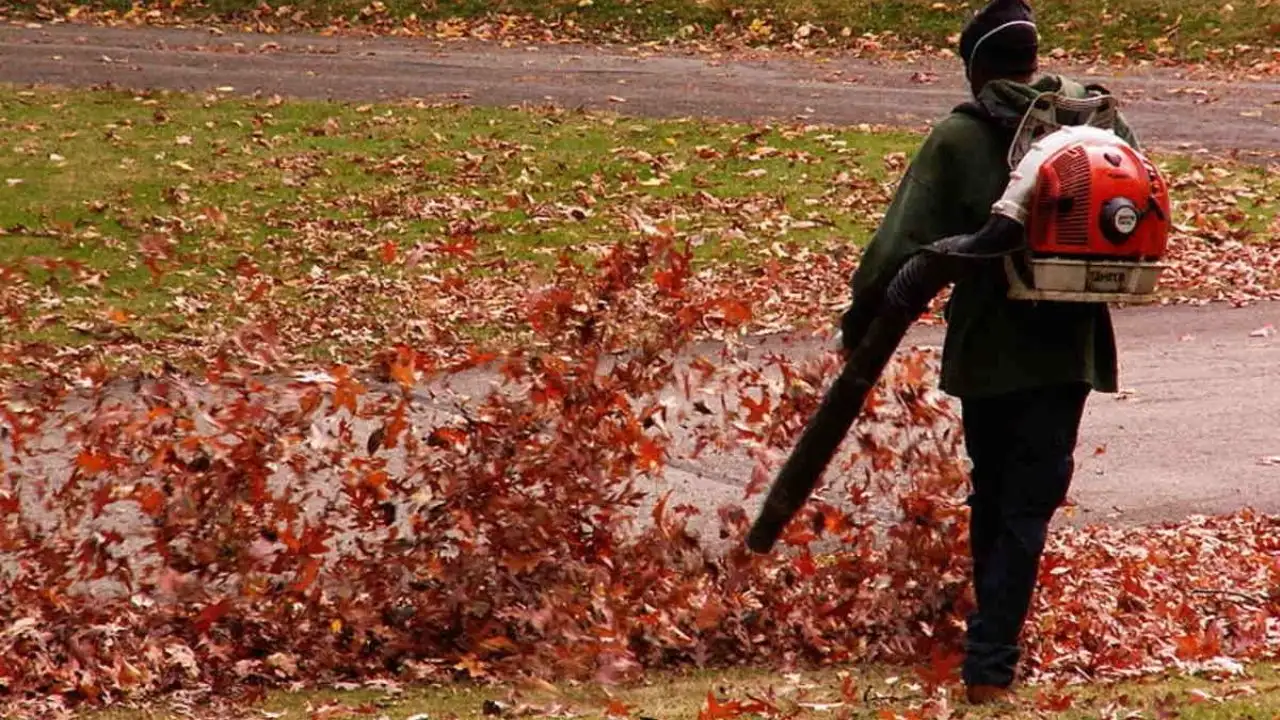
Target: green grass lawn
<point>136,219</point>
<point>871,693</point>
<point>159,226</point>
<point>1190,29</point>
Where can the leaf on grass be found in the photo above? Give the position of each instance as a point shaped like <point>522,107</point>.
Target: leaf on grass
<point>617,709</point>
<point>387,251</point>
<point>943,667</point>
<point>713,709</point>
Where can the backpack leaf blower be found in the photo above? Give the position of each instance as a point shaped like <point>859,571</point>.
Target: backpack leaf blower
<point>1084,218</point>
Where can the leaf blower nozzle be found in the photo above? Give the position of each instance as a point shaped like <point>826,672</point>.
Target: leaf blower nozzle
<point>873,327</point>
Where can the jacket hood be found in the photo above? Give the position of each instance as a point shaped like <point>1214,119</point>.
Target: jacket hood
<point>1007,101</point>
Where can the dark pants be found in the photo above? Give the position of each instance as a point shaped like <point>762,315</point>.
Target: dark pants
<point>1022,447</point>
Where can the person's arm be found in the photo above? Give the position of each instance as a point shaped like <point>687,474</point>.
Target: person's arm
<point>923,210</point>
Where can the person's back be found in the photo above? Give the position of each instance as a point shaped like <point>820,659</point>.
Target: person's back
<point>994,345</point>
<point>1022,370</point>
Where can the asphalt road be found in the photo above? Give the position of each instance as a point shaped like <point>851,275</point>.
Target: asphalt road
<point>1194,430</point>
<point>1166,107</point>
<point>1199,424</point>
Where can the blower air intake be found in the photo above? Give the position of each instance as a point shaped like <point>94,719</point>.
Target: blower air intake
<point>1084,218</point>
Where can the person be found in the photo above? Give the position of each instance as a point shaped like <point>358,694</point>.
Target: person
<point>1022,370</point>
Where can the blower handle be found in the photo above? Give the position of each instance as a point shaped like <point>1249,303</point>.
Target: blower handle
<point>908,295</point>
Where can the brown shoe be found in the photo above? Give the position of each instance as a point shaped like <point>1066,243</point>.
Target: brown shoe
<point>987,694</point>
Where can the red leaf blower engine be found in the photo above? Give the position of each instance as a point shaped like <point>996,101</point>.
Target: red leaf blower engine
<point>1084,218</point>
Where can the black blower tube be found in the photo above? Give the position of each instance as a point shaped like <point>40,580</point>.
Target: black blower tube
<point>874,332</point>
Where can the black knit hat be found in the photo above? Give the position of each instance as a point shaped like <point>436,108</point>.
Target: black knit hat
<point>1002,37</point>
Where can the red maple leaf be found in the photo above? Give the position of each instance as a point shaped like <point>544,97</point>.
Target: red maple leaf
<point>149,499</point>
<point>1054,701</point>
<point>307,575</point>
<point>446,437</point>
<point>715,710</point>
<point>347,390</point>
<point>735,312</point>
<point>757,409</point>
<point>395,427</point>
<point>617,708</point>
<point>760,479</point>
<point>388,252</point>
<point>651,454</point>
<point>463,247</point>
<point>942,668</point>
<point>210,615</point>
<point>92,462</point>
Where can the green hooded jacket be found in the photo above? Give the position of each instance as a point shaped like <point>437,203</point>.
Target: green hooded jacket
<point>993,344</point>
